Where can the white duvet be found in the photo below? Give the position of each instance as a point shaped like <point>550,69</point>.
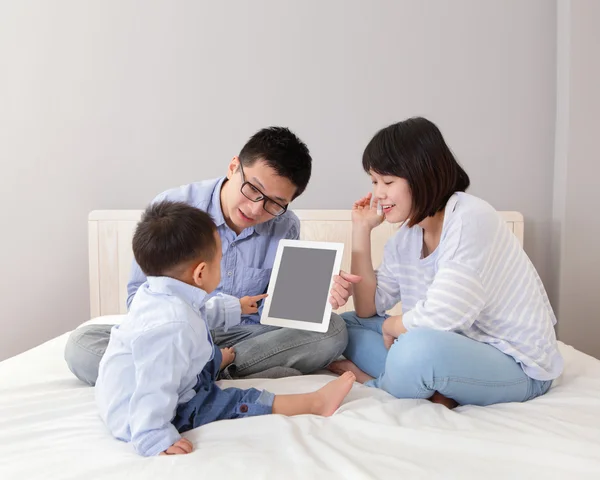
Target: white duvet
<point>49,429</point>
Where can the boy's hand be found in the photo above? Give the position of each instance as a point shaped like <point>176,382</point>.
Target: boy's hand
<point>180,447</point>
<point>227,357</point>
<point>250,304</point>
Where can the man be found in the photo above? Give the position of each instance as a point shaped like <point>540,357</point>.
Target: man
<point>250,207</point>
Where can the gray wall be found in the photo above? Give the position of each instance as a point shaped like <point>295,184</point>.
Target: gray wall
<point>577,171</point>
<point>106,103</point>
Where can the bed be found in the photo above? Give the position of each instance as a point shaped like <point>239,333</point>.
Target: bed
<point>49,426</point>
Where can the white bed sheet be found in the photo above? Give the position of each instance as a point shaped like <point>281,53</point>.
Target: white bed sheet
<point>50,429</point>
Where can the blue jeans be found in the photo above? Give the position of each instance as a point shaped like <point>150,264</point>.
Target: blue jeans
<point>423,361</point>
<point>212,403</point>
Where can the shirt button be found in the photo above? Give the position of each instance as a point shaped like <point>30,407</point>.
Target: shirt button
<point>244,408</point>
<point>230,273</point>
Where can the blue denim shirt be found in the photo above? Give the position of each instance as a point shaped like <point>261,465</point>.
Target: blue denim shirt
<point>247,258</point>
<point>152,363</point>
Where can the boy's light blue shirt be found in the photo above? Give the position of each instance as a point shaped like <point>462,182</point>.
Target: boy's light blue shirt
<point>247,258</point>
<point>152,362</point>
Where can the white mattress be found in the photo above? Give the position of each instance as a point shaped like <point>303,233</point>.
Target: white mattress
<point>49,428</point>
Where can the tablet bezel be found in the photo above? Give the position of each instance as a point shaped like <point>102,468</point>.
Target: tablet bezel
<point>266,319</point>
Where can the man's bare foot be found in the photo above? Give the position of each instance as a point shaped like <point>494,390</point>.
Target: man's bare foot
<point>437,397</point>
<point>228,355</point>
<point>328,398</point>
<point>341,366</point>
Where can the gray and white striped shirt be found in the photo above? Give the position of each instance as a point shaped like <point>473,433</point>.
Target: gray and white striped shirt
<point>478,282</point>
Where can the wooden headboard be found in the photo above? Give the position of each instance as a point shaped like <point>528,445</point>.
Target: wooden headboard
<point>110,255</point>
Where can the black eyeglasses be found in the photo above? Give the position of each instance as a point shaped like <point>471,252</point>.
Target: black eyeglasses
<point>254,194</point>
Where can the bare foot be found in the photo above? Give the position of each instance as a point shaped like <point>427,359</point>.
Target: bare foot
<point>328,398</point>
<point>341,366</point>
<point>228,357</point>
<point>437,397</point>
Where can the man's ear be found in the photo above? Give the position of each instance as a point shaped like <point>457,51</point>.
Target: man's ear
<point>233,167</point>
<point>199,274</point>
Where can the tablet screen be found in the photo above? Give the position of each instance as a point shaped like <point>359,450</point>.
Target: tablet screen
<point>302,286</point>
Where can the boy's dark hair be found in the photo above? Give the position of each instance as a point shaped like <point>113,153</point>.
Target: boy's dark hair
<point>281,150</point>
<point>416,151</point>
<point>171,233</point>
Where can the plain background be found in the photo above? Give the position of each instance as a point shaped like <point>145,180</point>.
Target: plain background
<point>104,104</point>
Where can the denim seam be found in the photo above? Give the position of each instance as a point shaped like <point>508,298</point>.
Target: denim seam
<point>266,399</point>
<point>483,383</point>
<point>272,353</point>
<point>472,381</point>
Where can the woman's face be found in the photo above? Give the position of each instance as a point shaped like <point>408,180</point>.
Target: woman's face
<point>394,196</point>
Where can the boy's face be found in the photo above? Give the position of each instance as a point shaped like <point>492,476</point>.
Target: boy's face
<point>241,212</point>
<point>212,271</point>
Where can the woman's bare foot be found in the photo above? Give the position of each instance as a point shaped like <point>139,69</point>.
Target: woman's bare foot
<point>328,398</point>
<point>228,355</point>
<point>437,397</point>
<point>341,366</point>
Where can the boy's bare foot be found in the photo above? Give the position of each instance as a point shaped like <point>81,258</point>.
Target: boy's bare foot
<point>437,397</point>
<point>228,355</point>
<point>341,366</point>
<point>328,398</point>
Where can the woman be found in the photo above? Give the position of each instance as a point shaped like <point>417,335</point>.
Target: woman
<point>477,326</point>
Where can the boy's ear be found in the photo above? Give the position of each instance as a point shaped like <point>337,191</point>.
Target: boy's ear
<point>233,167</point>
<point>199,274</point>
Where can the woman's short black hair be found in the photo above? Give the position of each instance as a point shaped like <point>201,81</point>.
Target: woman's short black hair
<point>171,233</point>
<point>416,151</point>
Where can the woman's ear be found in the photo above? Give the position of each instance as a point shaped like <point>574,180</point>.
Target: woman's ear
<point>233,167</point>
<point>199,275</point>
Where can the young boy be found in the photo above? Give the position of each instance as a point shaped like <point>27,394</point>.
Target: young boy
<point>157,377</point>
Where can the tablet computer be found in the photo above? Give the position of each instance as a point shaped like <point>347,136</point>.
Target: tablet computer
<point>300,282</point>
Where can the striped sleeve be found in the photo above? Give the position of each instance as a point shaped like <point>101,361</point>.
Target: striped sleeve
<point>387,294</point>
<point>453,301</point>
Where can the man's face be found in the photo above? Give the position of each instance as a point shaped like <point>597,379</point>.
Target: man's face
<point>239,210</point>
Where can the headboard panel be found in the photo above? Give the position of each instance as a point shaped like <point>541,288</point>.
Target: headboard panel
<point>110,233</point>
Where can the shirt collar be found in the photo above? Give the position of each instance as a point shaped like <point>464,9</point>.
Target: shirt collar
<point>214,206</point>
<point>194,296</point>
